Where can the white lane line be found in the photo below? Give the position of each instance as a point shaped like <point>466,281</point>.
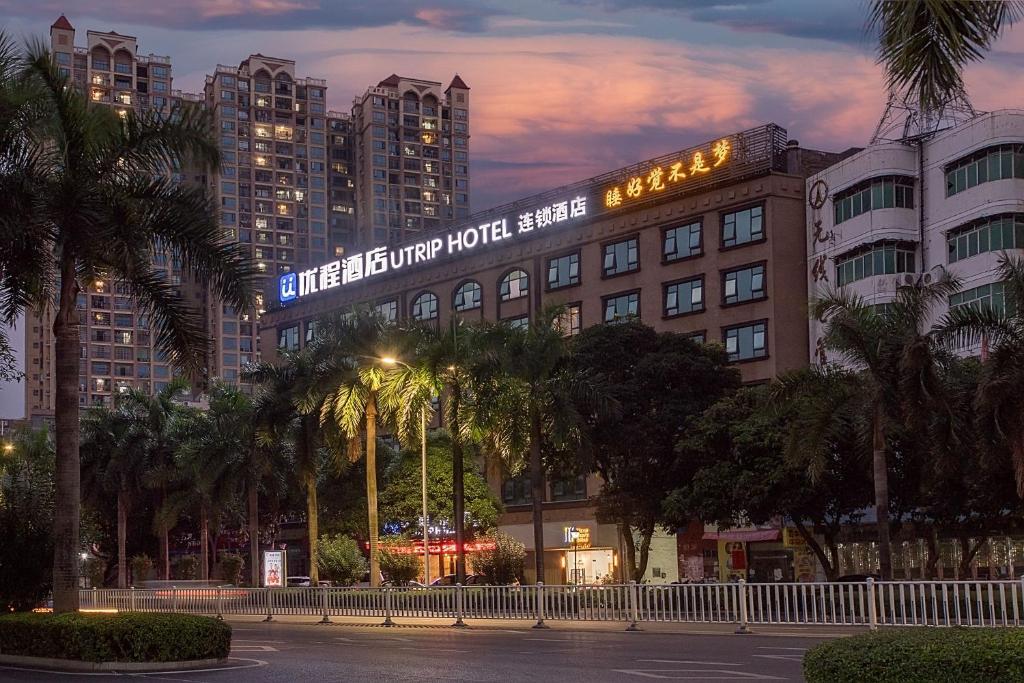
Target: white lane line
<point>766,647</point>
<point>690,661</point>
<point>254,648</point>
<point>698,674</point>
<point>788,658</point>
<point>433,649</point>
<point>553,640</point>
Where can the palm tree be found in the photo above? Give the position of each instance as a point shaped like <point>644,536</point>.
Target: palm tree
<point>1000,331</point>
<point>86,196</point>
<point>893,356</point>
<point>925,44</point>
<point>529,395</point>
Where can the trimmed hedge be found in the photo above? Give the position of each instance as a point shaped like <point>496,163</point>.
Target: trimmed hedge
<point>124,637</point>
<point>920,655</point>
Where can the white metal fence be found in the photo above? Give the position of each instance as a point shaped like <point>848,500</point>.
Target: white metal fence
<point>872,604</point>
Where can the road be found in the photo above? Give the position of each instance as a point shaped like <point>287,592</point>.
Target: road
<point>348,652</point>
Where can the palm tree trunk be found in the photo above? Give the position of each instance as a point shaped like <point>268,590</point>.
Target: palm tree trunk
<point>537,489</point>
<point>458,488</point>
<point>371,486</point>
<point>254,532</point>
<point>312,528</point>
<point>68,475</point>
<point>122,540</point>
<point>204,542</point>
<point>880,472</point>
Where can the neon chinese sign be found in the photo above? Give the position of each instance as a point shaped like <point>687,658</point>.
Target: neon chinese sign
<point>659,178</point>
<point>377,261</point>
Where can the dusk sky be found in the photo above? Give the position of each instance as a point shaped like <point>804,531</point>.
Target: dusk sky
<point>560,90</point>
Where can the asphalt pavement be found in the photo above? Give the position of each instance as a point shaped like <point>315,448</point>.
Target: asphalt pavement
<point>298,650</point>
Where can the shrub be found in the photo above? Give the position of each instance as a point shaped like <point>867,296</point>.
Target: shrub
<point>231,568</point>
<point>340,560</point>
<point>125,637</point>
<point>185,568</point>
<point>142,567</point>
<point>920,655</point>
<point>399,567</point>
<point>504,564</point>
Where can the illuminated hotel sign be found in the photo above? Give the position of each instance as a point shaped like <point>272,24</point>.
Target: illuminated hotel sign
<point>659,178</point>
<point>377,261</point>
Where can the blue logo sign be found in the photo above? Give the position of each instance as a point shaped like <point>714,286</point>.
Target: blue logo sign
<point>288,287</point>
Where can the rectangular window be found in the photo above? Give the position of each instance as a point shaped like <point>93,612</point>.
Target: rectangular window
<point>288,338</point>
<point>743,284</point>
<point>621,257</point>
<point>684,297</point>
<point>993,233</point>
<point>741,227</point>
<point>682,242</point>
<point>387,310</point>
<point>564,271</point>
<point>992,163</point>
<point>621,307</point>
<point>885,192</point>
<point>518,323</point>
<point>882,258</point>
<point>986,297</point>
<point>746,342</point>
<point>568,321</point>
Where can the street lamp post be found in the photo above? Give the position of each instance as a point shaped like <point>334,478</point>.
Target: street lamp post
<point>574,536</point>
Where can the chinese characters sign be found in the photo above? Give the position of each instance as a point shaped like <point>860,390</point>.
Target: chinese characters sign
<point>660,178</point>
<point>357,267</point>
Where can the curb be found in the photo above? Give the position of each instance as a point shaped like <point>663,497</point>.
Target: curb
<point>116,667</point>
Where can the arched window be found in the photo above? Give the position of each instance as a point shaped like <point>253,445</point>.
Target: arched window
<point>424,307</point>
<point>467,296</point>
<point>514,285</point>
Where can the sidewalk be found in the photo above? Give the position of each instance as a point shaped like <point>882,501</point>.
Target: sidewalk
<point>790,631</point>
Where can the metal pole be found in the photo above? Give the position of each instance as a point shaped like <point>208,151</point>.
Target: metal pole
<point>634,608</point>
<point>270,613</point>
<point>872,609</point>
<point>539,606</point>
<point>323,604</point>
<point>459,623</point>
<point>423,484</point>
<point>743,628</point>
<point>387,607</point>
<point>220,614</point>
<point>133,608</point>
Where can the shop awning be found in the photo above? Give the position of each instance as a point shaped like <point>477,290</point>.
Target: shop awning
<point>743,536</point>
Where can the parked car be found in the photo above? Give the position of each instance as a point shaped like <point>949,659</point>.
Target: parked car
<point>298,581</point>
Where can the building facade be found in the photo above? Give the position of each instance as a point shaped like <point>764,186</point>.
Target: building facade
<point>411,155</point>
<point>708,241</point>
<point>895,212</point>
<point>117,345</point>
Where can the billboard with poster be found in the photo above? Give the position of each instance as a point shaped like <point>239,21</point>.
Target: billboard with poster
<point>274,568</point>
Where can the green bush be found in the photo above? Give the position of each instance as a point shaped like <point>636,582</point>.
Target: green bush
<point>920,655</point>
<point>399,567</point>
<point>124,637</point>
<point>142,567</point>
<point>504,564</point>
<point>340,560</point>
<point>186,567</point>
<point>230,568</point>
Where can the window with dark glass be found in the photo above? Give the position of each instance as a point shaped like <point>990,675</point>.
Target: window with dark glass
<point>388,310</point>
<point>986,297</point>
<point>288,338</point>
<point>569,488</point>
<point>622,307</point>
<point>740,227</point>
<point>684,297</point>
<point>682,242</point>
<point>992,163</point>
<point>993,233</point>
<point>467,296</point>
<point>516,490</point>
<point>746,342</point>
<point>514,285</point>
<point>881,258</point>
<point>564,271</point>
<point>425,307</point>
<point>743,284</point>
<point>568,321</point>
<point>519,322</point>
<point>887,192</point>
<point>621,257</point>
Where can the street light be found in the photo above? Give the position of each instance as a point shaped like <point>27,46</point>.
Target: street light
<point>574,536</point>
<point>391,360</point>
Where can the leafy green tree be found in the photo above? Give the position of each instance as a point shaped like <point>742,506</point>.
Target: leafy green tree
<point>401,504</point>
<point>925,44</point>
<point>398,564</point>
<point>661,385</point>
<point>747,476</point>
<point>503,564</point>
<point>26,519</point>
<point>86,195</point>
<point>340,560</point>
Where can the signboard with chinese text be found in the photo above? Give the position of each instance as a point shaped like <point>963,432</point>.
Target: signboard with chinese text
<point>583,539</point>
<point>661,177</point>
<point>275,571</point>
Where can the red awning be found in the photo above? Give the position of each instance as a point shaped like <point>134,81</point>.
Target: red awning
<point>743,536</point>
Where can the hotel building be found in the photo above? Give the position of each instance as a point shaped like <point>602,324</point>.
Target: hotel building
<point>707,241</point>
<point>117,345</point>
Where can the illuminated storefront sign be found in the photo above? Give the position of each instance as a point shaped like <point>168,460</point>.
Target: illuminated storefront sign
<point>659,178</point>
<point>446,548</point>
<point>357,267</point>
<point>582,536</point>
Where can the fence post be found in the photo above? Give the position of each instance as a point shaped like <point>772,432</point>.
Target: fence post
<point>132,599</point>
<point>95,602</point>
<point>459,607</point>
<point>270,610</point>
<point>872,608</point>
<point>387,607</point>
<point>634,606</point>
<point>323,605</point>
<point>743,628</point>
<point>539,606</point>
<point>1017,623</point>
<point>174,598</point>
<point>220,614</point>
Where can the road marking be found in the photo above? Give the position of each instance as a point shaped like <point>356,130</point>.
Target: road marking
<point>254,648</point>
<point>766,647</point>
<point>788,658</point>
<point>553,640</point>
<point>698,674</point>
<point>690,661</point>
<point>433,649</point>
